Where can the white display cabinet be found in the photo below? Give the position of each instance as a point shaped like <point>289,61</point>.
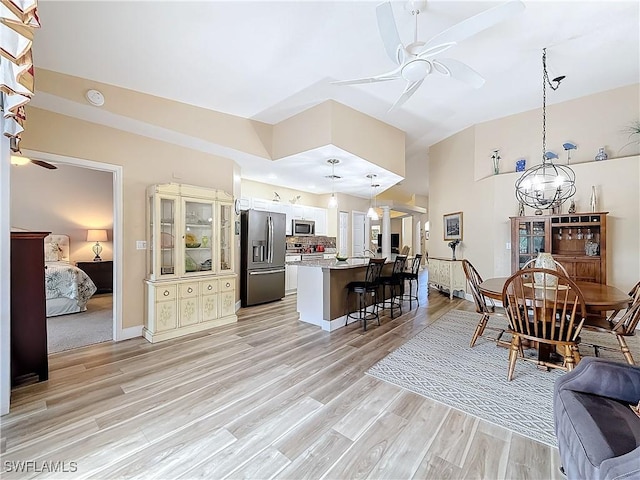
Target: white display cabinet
<point>190,262</point>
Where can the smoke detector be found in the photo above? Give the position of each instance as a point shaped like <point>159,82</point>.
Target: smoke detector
<point>94,97</point>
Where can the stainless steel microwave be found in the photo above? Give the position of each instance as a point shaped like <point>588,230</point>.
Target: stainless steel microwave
<point>303,227</point>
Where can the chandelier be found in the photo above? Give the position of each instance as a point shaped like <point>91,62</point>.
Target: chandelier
<point>546,186</point>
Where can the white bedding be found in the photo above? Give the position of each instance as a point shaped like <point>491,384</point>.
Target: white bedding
<point>64,281</point>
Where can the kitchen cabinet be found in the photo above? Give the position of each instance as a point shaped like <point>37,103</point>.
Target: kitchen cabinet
<point>578,241</point>
<point>291,211</point>
<point>291,273</point>
<point>447,274</point>
<point>190,260</point>
<point>321,221</point>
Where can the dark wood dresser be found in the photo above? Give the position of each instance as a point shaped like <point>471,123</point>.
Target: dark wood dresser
<point>101,273</point>
<point>28,307</point>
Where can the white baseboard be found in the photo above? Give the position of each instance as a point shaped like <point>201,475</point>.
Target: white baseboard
<point>238,305</point>
<point>130,332</point>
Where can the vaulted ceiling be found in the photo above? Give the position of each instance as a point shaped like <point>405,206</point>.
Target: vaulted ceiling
<point>268,60</point>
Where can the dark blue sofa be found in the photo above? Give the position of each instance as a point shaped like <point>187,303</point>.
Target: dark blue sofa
<point>598,434</point>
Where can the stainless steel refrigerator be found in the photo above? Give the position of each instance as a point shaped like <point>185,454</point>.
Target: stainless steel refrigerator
<point>263,244</point>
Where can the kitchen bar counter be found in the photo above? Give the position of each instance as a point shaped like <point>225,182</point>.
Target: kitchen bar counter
<point>322,293</point>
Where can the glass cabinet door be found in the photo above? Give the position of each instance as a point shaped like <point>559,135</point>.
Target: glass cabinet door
<point>161,246</point>
<point>531,240</point>
<point>198,236</point>
<point>225,237</point>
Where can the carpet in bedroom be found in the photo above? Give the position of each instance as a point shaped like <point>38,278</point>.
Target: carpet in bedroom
<point>81,329</point>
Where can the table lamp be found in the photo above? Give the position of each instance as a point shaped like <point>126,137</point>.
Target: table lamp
<point>97,236</point>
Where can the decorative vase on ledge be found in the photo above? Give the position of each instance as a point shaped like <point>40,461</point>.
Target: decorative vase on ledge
<point>593,201</point>
<point>601,155</point>
<point>452,245</point>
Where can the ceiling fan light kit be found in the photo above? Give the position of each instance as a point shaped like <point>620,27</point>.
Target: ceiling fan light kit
<point>18,159</point>
<point>416,60</point>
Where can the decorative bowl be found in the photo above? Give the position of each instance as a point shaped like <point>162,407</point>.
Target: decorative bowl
<point>341,259</point>
<point>193,245</point>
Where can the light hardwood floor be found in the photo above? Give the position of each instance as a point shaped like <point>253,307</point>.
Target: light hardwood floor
<point>268,397</point>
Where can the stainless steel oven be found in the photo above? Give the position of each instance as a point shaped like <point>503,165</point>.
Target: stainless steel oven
<point>303,227</point>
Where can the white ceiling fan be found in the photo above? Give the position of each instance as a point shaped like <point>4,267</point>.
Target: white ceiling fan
<point>416,60</point>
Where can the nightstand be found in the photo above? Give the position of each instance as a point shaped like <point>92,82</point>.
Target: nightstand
<point>101,273</point>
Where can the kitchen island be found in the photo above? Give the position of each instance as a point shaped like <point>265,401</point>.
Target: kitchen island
<point>322,293</point>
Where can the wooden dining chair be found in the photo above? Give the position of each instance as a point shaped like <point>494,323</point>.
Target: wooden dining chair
<point>550,312</point>
<point>484,306</point>
<point>624,326</point>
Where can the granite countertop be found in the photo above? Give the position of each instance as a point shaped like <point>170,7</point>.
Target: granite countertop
<point>333,264</point>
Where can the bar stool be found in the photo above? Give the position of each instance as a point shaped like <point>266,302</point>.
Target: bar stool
<point>412,276</point>
<point>362,289</point>
<point>394,282</point>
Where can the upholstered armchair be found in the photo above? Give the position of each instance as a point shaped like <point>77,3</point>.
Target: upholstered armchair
<point>598,433</point>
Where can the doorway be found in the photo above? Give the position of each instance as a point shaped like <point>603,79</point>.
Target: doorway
<point>109,304</point>
<point>359,234</point>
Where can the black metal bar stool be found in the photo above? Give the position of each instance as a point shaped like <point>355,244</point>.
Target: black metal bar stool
<point>364,289</point>
<point>394,282</point>
<point>412,276</point>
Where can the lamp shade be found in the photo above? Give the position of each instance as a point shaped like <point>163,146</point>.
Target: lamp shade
<point>96,235</point>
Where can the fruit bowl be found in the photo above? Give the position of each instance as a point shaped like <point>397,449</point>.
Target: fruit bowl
<point>341,259</point>
<point>193,245</point>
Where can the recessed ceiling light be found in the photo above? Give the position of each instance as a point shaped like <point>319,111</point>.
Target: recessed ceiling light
<point>94,97</point>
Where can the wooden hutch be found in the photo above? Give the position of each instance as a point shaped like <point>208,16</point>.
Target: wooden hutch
<point>578,241</point>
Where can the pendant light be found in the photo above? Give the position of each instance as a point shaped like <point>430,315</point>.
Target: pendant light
<point>371,213</point>
<point>546,186</point>
<point>333,201</point>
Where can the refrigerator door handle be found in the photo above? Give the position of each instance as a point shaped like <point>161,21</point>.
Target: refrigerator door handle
<point>270,239</point>
<point>268,272</point>
<point>268,259</point>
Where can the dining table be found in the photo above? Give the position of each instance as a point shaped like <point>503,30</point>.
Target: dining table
<point>599,298</point>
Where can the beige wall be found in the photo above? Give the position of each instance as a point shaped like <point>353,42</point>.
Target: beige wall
<point>66,201</point>
<point>346,203</point>
<point>266,191</point>
<point>459,182</point>
<point>590,122</point>
<point>231,131</point>
<point>145,162</point>
<point>368,138</point>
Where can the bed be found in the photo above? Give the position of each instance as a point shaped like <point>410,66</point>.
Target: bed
<point>67,288</point>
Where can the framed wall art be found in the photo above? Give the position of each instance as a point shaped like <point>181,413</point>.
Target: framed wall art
<point>453,226</point>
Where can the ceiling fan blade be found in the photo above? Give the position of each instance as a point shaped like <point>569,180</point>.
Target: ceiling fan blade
<point>44,164</point>
<point>389,32</point>
<point>459,70</point>
<point>469,27</point>
<point>409,90</point>
<point>394,75</point>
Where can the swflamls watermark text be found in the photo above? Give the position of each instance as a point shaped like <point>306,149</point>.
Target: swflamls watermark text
<point>35,466</point>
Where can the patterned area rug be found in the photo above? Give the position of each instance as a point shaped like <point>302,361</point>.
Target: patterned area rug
<point>438,364</point>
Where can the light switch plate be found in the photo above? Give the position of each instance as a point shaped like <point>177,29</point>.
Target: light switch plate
<point>508,245</point>
<point>141,245</point>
